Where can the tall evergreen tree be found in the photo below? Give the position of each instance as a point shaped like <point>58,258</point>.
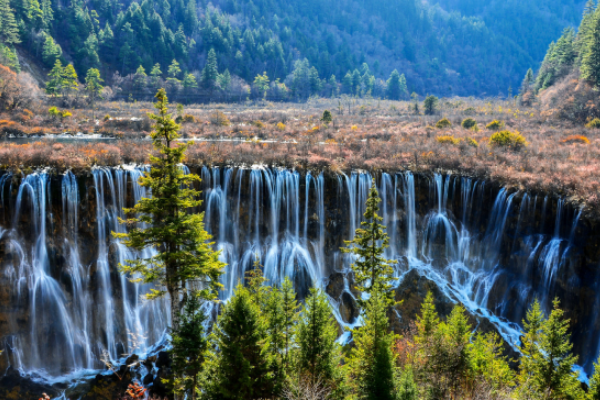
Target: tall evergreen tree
<point>189,345</point>
<point>372,363</point>
<point>547,361</point>
<point>289,306</point>
<point>54,85</point>
<point>372,271</point>
<point>396,86</point>
<point>239,366</point>
<point>184,253</point>
<point>210,72</point>
<point>51,51</point>
<point>318,355</point>
<point>9,31</point>
<point>528,82</point>
<point>594,386</point>
<point>590,64</point>
<point>174,70</point>
<point>93,84</point>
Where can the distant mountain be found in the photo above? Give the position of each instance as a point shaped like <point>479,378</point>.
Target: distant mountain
<point>452,47</point>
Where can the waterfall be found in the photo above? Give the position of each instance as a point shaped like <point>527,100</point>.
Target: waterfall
<point>489,248</point>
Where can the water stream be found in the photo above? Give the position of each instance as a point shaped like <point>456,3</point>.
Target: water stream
<point>490,248</point>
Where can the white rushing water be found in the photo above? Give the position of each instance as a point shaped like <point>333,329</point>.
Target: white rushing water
<point>79,308</point>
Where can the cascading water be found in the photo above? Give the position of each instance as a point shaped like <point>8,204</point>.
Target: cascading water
<point>71,306</point>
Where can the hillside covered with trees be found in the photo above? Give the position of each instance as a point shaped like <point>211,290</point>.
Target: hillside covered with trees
<point>290,49</point>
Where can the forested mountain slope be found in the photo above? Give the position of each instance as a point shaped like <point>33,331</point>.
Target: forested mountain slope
<point>454,47</point>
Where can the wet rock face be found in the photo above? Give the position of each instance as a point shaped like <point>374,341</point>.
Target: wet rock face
<point>410,294</point>
<point>299,222</point>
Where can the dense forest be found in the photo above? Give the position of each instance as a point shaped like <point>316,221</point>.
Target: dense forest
<point>567,81</point>
<point>291,49</point>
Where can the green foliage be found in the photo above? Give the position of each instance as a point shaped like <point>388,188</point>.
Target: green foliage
<point>174,70</point>
<point>318,355</point>
<point>430,105</point>
<point>558,61</point>
<point>261,83</point>
<point>469,123</point>
<point>9,31</point>
<point>509,140</point>
<point>239,367</point>
<point>396,86</point>
<point>495,125</point>
<point>593,124</point>
<point>527,83</point>
<point>414,104</point>
<point>372,272</point>
<point>590,64</point>
<point>210,73</point>
<point>594,384</point>
<point>372,363</point>
<point>452,362</point>
<point>69,78</point>
<point>447,139</point>
<point>327,117</point>
<point>406,385</point>
<point>8,57</point>
<point>51,51</point>
<point>185,253</point>
<point>471,142</point>
<point>547,362</point>
<point>54,85</point>
<point>189,345</point>
<point>443,123</point>
<point>93,83</point>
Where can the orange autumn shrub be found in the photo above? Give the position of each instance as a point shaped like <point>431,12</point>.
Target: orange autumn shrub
<point>575,139</point>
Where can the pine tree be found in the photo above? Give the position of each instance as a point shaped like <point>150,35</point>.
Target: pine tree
<point>590,64</point>
<point>555,369</point>
<point>528,82</point>
<point>189,345</point>
<point>275,336</point>
<point>224,80</point>
<point>184,251</point>
<point>314,81</point>
<point>69,80</point>
<point>189,82</point>
<point>534,319</point>
<point>174,70</point>
<point>429,320</point>
<point>51,51</point>
<point>318,355</point>
<point>547,362</point>
<point>395,85</point>
<point>93,84</point>
<point>210,71</point>
<point>191,18</point>
<point>356,82</point>
<point>289,306</point>
<point>139,79</point>
<point>9,31</point>
<point>54,85</point>
<point>371,366</point>
<point>261,83</point>
<point>407,388</point>
<point>347,85</point>
<point>239,366</point>
<point>430,105</point>
<point>585,28</point>
<point>372,272</point>
<point>594,386</point>
<point>155,73</point>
